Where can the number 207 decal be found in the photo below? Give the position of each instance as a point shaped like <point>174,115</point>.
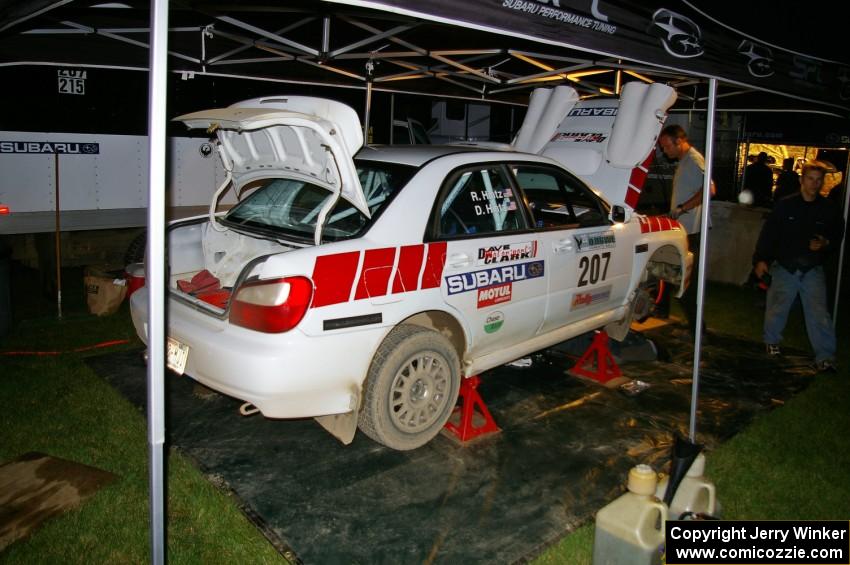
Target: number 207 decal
<point>593,268</point>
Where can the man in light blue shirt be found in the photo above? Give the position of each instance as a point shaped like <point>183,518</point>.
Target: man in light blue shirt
<point>686,202</point>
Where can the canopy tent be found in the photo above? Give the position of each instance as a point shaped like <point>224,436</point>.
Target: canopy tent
<point>504,49</point>
<point>484,49</point>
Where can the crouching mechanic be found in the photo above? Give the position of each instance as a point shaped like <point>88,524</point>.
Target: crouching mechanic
<point>796,238</point>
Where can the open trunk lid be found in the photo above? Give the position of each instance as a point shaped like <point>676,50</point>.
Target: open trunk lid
<point>301,137</point>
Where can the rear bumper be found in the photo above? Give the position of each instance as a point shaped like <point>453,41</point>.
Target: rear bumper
<point>288,375</point>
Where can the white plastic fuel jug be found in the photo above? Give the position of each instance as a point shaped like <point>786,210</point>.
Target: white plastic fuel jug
<point>630,530</point>
<point>695,494</point>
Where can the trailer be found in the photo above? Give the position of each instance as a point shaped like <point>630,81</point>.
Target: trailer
<point>96,181</point>
<point>90,190</point>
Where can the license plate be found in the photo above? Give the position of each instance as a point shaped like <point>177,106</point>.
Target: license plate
<point>178,353</point>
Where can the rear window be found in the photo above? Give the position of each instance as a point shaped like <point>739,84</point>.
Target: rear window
<point>290,207</point>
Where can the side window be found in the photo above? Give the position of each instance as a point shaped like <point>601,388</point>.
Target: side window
<point>559,200</point>
<point>477,201</point>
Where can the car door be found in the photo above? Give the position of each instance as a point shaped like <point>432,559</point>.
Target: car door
<point>587,271</point>
<point>494,271</point>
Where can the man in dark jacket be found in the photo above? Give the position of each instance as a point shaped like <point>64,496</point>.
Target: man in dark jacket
<point>792,246</point>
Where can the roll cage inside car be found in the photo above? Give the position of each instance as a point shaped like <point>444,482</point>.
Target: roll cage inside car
<point>546,197</point>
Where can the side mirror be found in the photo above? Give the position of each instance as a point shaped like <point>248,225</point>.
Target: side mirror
<point>618,214</point>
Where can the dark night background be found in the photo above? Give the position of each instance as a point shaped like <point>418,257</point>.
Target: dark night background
<point>116,101</point>
<point>797,26</point>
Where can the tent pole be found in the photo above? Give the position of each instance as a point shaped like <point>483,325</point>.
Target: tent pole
<point>155,274</point>
<point>392,116</point>
<point>706,202</point>
<point>841,253</point>
<point>368,110</point>
<point>58,239</point>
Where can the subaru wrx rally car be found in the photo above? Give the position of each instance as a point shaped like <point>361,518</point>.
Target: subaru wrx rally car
<point>360,285</point>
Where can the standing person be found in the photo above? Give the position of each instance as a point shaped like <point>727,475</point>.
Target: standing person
<point>794,241</point>
<point>686,202</point>
<point>758,178</point>
<point>788,182</point>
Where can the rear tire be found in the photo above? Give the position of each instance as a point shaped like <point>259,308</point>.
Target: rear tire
<point>411,388</point>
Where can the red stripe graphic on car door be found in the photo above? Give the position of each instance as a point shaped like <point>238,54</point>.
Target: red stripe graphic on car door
<point>434,265</point>
<point>409,264</point>
<point>375,274</point>
<point>333,277</point>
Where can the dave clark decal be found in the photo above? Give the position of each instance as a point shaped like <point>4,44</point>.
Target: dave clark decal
<point>591,297</point>
<point>506,252</point>
<point>596,240</point>
<point>494,285</point>
<point>579,137</point>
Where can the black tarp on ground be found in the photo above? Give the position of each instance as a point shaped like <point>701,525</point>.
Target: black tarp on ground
<point>564,451</point>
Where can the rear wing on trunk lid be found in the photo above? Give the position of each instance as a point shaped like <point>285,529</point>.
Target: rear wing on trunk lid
<point>607,142</point>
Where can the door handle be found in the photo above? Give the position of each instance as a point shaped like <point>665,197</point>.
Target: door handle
<point>563,245</point>
<point>459,260</point>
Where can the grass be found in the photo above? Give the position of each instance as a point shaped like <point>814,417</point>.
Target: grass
<point>789,464</point>
<point>57,405</point>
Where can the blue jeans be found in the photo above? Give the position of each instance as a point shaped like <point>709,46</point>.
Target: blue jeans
<point>811,287</point>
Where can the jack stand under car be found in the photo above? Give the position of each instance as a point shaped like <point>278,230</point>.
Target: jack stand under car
<point>470,426</point>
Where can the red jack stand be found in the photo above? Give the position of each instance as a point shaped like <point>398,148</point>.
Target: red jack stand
<point>598,364</point>
<point>468,429</point>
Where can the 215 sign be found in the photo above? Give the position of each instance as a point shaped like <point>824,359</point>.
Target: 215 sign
<point>72,82</point>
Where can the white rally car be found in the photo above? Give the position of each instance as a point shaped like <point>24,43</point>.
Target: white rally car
<point>361,289</point>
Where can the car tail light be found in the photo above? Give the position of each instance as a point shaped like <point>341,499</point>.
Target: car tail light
<point>271,306</point>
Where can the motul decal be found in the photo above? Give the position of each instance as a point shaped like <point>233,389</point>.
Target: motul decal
<point>334,275</point>
<point>495,295</point>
